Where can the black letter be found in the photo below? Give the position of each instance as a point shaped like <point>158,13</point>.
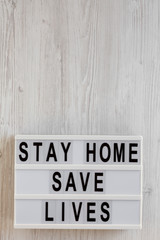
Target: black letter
<point>91,152</point>
<point>51,152</point>
<point>63,212</point>
<point>77,214</point>
<point>101,151</point>
<point>58,188</point>
<point>84,184</point>
<point>132,152</point>
<point>119,154</point>
<point>46,213</point>
<point>70,182</point>
<point>89,211</point>
<point>65,150</point>
<point>37,144</point>
<point>23,159</point>
<point>96,189</point>
<point>105,219</point>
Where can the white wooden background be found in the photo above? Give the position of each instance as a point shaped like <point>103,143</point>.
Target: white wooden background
<point>80,67</point>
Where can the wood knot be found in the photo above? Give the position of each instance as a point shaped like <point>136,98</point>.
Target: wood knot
<point>147,190</point>
<point>20,89</point>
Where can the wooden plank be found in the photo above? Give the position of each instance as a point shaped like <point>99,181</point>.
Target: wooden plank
<point>80,67</point>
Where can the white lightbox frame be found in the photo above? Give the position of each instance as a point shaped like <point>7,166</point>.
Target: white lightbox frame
<point>79,196</point>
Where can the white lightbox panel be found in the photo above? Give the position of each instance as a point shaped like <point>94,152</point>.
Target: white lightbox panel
<point>114,182</point>
<point>33,212</point>
<point>77,150</point>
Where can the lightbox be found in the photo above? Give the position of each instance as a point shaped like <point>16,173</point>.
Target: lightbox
<point>78,182</point>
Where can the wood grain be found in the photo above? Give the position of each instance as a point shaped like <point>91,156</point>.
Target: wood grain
<point>80,67</point>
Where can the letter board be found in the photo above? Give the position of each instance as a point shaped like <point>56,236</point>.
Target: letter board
<point>78,182</point>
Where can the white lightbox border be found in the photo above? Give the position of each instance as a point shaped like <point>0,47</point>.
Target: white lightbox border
<point>70,196</point>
